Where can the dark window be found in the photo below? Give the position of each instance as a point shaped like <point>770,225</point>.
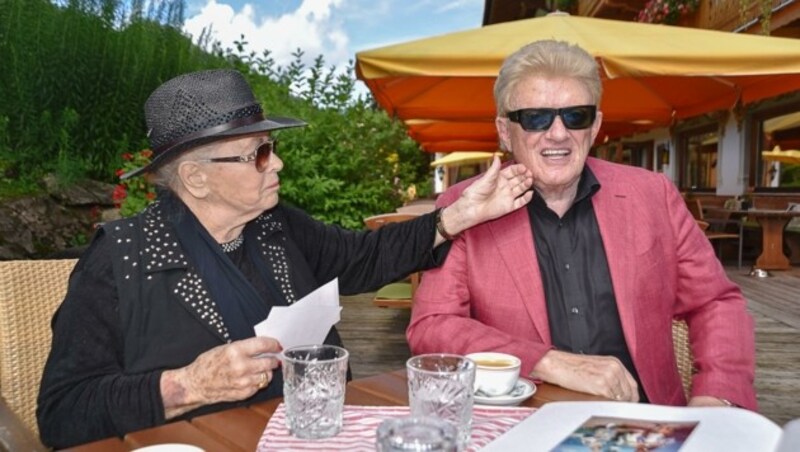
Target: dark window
<point>776,156</point>
<point>697,157</point>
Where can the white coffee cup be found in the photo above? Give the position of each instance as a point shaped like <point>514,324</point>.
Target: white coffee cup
<point>496,373</point>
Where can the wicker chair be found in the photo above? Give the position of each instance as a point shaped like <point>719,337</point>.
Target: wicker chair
<point>683,354</point>
<point>30,292</point>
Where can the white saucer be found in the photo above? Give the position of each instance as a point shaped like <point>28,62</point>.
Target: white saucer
<point>523,389</point>
<point>172,447</point>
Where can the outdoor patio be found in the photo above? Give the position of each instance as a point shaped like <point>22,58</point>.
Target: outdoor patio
<point>376,338</point>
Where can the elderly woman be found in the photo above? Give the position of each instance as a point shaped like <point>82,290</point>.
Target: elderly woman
<point>158,320</point>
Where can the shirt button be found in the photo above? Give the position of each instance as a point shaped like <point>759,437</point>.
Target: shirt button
<point>575,311</point>
<point>566,266</point>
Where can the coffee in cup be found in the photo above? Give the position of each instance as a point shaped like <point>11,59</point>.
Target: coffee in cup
<point>496,373</point>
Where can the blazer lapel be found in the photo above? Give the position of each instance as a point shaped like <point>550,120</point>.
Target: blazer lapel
<point>615,218</point>
<point>514,239</point>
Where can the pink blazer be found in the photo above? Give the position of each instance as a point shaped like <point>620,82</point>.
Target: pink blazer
<point>488,294</point>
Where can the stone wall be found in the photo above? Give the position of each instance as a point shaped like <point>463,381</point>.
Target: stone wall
<point>57,223</point>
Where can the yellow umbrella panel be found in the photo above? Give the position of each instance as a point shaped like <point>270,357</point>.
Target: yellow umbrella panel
<point>463,158</point>
<point>776,155</point>
<point>652,74</point>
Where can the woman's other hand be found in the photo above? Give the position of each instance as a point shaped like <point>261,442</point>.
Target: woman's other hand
<point>225,373</point>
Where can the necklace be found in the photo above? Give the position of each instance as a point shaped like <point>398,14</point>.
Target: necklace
<point>231,246</point>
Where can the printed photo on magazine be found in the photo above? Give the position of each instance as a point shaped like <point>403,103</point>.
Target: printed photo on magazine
<point>615,434</point>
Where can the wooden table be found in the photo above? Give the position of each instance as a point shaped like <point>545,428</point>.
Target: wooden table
<point>239,429</point>
<point>772,222</point>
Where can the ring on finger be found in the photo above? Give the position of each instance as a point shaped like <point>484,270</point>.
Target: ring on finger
<point>263,380</point>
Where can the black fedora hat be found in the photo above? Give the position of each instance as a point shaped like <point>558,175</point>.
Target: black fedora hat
<point>200,107</point>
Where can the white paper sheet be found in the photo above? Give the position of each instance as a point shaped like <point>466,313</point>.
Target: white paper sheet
<point>306,321</point>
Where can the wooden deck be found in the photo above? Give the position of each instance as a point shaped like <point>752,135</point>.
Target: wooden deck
<point>376,338</point>
<point>775,305</point>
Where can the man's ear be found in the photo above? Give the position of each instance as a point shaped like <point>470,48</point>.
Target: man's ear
<point>503,134</point>
<point>598,121</point>
<point>193,179</point>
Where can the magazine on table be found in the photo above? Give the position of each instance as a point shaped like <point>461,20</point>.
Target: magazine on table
<point>615,426</point>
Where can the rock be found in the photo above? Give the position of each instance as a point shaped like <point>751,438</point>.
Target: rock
<point>62,221</point>
<point>83,193</point>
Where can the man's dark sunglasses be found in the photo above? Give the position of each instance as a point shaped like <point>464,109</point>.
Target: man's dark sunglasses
<point>540,119</point>
<point>260,155</point>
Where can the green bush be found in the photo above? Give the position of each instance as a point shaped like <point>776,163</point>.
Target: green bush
<point>76,75</point>
<point>352,160</point>
<point>75,78</point>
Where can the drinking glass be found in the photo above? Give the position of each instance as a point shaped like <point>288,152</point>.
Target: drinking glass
<point>441,385</point>
<point>314,379</point>
<point>416,434</point>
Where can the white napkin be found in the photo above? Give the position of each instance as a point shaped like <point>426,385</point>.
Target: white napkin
<point>306,321</point>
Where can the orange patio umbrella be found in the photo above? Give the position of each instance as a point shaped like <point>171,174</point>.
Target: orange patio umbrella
<point>653,75</point>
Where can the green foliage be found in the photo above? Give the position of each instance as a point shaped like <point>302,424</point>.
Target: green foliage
<point>76,74</point>
<point>790,175</point>
<point>351,161</point>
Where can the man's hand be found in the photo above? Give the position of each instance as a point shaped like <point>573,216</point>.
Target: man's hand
<point>225,373</point>
<point>496,193</point>
<point>599,375</point>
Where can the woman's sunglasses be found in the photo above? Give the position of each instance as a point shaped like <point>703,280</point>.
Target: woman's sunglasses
<point>260,155</point>
<point>540,119</point>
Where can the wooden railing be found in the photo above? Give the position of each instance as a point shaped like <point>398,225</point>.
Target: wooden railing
<point>724,15</point>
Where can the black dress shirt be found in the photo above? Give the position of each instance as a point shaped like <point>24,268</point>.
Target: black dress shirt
<point>581,306</point>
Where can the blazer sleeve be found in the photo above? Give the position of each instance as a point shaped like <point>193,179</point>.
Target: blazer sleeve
<point>721,330</point>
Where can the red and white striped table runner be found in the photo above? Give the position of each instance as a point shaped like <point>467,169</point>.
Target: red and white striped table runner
<point>361,422</point>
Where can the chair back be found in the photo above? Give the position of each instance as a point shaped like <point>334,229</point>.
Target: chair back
<point>794,223</point>
<point>695,208</point>
<point>683,354</point>
<point>376,221</point>
<point>398,294</point>
<point>417,209</point>
<point>719,221</point>
<point>30,292</point>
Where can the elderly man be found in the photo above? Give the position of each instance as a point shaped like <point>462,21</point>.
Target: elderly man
<point>583,284</point>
